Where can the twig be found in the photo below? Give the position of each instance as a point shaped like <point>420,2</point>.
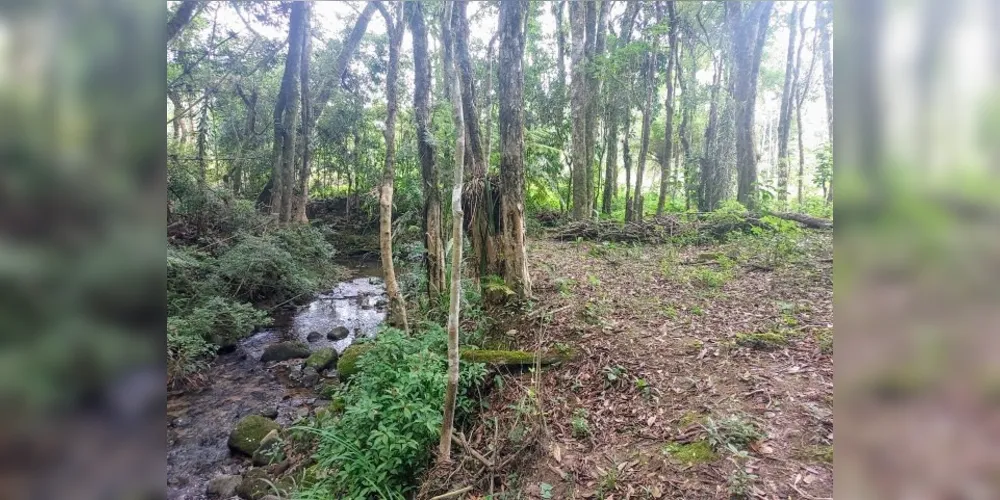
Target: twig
<point>454,493</point>
<point>461,442</point>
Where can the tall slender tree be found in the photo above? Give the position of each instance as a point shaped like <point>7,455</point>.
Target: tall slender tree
<point>511,117</point>
<point>787,101</point>
<point>668,134</point>
<point>824,16</point>
<point>432,223</point>
<point>578,108</point>
<point>397,306</point>
<point>801,91</point>
<point>302,189</point>
<point>285,116</point>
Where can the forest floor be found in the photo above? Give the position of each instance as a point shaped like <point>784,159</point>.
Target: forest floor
<point>670,393</point>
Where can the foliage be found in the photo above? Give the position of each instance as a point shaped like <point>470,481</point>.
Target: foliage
<point>732,433</point>
<point>581,428</point>
<point>384,438</point>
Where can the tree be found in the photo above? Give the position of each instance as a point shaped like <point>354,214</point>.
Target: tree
<point>578,109</point>
<point>748,29</point>
<point>824,15</point>
<point>669,120</point>
<point>477,196</point>
<point>455,91</point>
<point>787,97</point>
<point>302,190</point>
<point>511,117</point>
<point>617,108</point>
<point>647,117</point>
<point>285,115</point>
<point>181,18</point>
<point>801,91</point>
<point>432,224</point>
<point>397,306</point>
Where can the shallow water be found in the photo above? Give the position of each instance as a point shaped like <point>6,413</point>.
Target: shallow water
<point>199,422</point>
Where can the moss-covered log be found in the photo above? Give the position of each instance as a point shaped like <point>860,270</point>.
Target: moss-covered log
<point>510,358</point>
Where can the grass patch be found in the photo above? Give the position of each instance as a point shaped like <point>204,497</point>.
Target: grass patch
<point>825,339</point>
<point>817,453</point>
<point>697,452</point>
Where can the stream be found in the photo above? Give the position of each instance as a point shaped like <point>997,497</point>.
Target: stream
<point>199,421</point>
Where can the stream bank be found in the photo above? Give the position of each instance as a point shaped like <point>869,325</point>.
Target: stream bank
<point>199,421</point>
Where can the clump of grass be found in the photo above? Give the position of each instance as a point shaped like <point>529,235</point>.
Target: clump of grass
<point>817,453</point>
<point>734,433</point>
<point>710,278</point>
<point>763,341</point>
<point>579,423</point>
<point>697,452</point>
<point>825,339</point>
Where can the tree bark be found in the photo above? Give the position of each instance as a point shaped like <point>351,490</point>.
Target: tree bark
<point>785,117</point>
<point>434,261</point>
<point>397,306</point>
<point>511,91</point>
<point>748,28</point>
<point>455,90</point>
<point>578,109</point>
<point>647,118</point>
<point>597,17</point>
<point>617,108</point>
<point>801,91</point>
<point>302,190</point>
<point>711,188</point>
<point>627,162</point>
<point>668,134</point>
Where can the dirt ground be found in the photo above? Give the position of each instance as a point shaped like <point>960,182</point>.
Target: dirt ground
<point>663,372</point>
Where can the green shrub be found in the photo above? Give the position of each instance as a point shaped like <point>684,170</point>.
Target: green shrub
<point>186,354</point>
<point>221,321</point>
<point>392,420</point>
<point>257,268</point>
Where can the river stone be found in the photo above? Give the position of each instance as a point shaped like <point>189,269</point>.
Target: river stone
<point>271,413</point>
<point>245,437</point>
<point>223,486</point>
<point>314,336</point>
<point>339,333</point>
<point>309,377</point>
<point>321,359</point>
<point>347,365</point>
<point>283,351</point>
<point>257,484</point>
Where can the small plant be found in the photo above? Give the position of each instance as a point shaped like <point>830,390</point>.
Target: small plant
<point>614,376</point>
<point>545,489</point>
<point>670,312</point>
<point>593,280</point>
<point>579,423</point>
<point>642,386</point>
<point>697,452</point>
<point>710,279</point>
<point>762,341</point>
<point>825,339</point>
<point>741,482</point>
<point>608,482</point>
<point>494,284</point>
<point>565,286</point>
<point>593,312</point>
<point>734,433</point>
<point>697,310</point>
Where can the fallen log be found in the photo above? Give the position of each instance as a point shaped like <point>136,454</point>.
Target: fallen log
<point>510,358</point>
<point>805,220</point>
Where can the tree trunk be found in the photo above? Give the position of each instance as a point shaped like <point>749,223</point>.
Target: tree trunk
<point>477,196</point>
<point>785,117</point>
<point>686,104</point>
<point>285,115</point>
<point>748,27</point>
<point>627,162</point>
<point>425,145</point>
<point>647,118</point>
<point>668,131</point>
<point>302,191</point>
<point>610,163</point>
<point>511,118</point>
<point>397,306</point>
<point>349,47</point>
<point>202,139</point>
<point>824,15</point>
<point>578,109</point>
<point>596,21</point>
<point>801,91</point>
<point>710,187</point>
<point>456,92</point>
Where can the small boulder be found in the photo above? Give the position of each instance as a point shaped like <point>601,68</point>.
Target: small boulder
<point>222,486</point>
<point>314,336</point>
<point>321,359</point>
<point>270,450</point>
<point>271,413</point>
<point>283,351</point>
<point>347,365</point>
<point>249,431</point>
<point>257,484</point>
<point>339,333</point>
<point>309,377</point>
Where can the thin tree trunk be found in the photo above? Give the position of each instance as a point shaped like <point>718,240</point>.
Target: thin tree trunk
<point>425,146</point>
<point>455,91</point>
<point>302,198</point>
<point>802,90</point>
<point>627,161</point>
<point>787,96</point>
<point>511,91</point>
<point>202,139</point>
<point>597,18</point>
<point>181,18</point>
<point>578,108</point>
<point>710,188</point>
<point>824,15</point>
<point>668,131</point>
<point>647,116</point>
<point>397,306</point>
<point>350,46</point>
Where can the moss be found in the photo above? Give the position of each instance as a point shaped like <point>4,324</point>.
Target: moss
<point>691,417</point>
<point>511,358</point>
<point>698,452</point>
<point>347,365</point>
<point>328,390</point>
<point>763,341</point>
<point>249,431</point>
<point>821,453</point>
<point>257,484</point>
<point>322,359</point>
<point>825,339</point>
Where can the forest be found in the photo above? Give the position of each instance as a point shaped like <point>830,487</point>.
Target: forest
<point>499,250</point>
